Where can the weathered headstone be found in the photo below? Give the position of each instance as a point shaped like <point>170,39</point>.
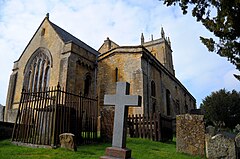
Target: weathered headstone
<point>210,130</point>
<point>67,140</point>
<point>220,146</point>
<point>2,108</point>
<point>121,100</point>
<point>190,134</point>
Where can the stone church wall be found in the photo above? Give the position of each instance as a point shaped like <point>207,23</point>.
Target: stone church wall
<point>49,41</point>
<point>128,69</point>
<point>128,66</point>
<point>162,51</point>
<point>78,69</point>
<point>150,73</point>
<point>75,64</point>
<point>69,64</point>
<point>181,100</point>
<point>180,97</point>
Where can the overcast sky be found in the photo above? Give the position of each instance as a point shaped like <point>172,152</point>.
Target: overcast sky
<point>123,21</point>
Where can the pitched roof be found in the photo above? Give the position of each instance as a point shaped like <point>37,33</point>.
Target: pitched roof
<point>67,37</point>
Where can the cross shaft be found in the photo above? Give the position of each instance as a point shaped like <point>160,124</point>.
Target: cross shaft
<point>121,100</point>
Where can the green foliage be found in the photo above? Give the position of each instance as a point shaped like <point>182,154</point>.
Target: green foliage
<point>141,149</point>
<point>222,18</point>
<point>222,106</point>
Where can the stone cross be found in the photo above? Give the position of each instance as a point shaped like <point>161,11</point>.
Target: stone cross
<point>121,100</point>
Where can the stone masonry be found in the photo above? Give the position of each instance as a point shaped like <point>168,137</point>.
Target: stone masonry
<point>190,135</point>
<point>70,60</point>
<point>140,66</point>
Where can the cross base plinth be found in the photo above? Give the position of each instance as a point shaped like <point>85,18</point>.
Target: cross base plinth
<point>117,153</point>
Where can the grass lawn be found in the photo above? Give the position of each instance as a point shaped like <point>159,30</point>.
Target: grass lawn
<point>141,149</point>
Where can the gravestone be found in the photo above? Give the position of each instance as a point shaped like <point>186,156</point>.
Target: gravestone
<point>221,145</point>
<point>2,108</point>
<point>190,134</point>
<point>121,100</point>
<point>210,130</point>
<point>67,140</point>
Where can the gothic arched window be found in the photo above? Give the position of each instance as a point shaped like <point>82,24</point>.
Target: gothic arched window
<point>37,70</point>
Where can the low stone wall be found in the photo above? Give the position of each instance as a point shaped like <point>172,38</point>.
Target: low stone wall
<point>190,134</point>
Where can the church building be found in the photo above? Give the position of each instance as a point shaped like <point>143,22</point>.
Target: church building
<point>53,56</point>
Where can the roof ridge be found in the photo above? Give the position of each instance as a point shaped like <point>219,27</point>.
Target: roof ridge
<point>68,37</point>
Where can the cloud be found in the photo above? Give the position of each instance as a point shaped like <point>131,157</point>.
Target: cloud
<point>123,21</point>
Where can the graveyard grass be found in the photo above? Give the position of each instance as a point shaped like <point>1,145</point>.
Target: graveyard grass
<point>141,149</point>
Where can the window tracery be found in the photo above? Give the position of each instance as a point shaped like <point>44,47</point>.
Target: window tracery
<point>37,71</point>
